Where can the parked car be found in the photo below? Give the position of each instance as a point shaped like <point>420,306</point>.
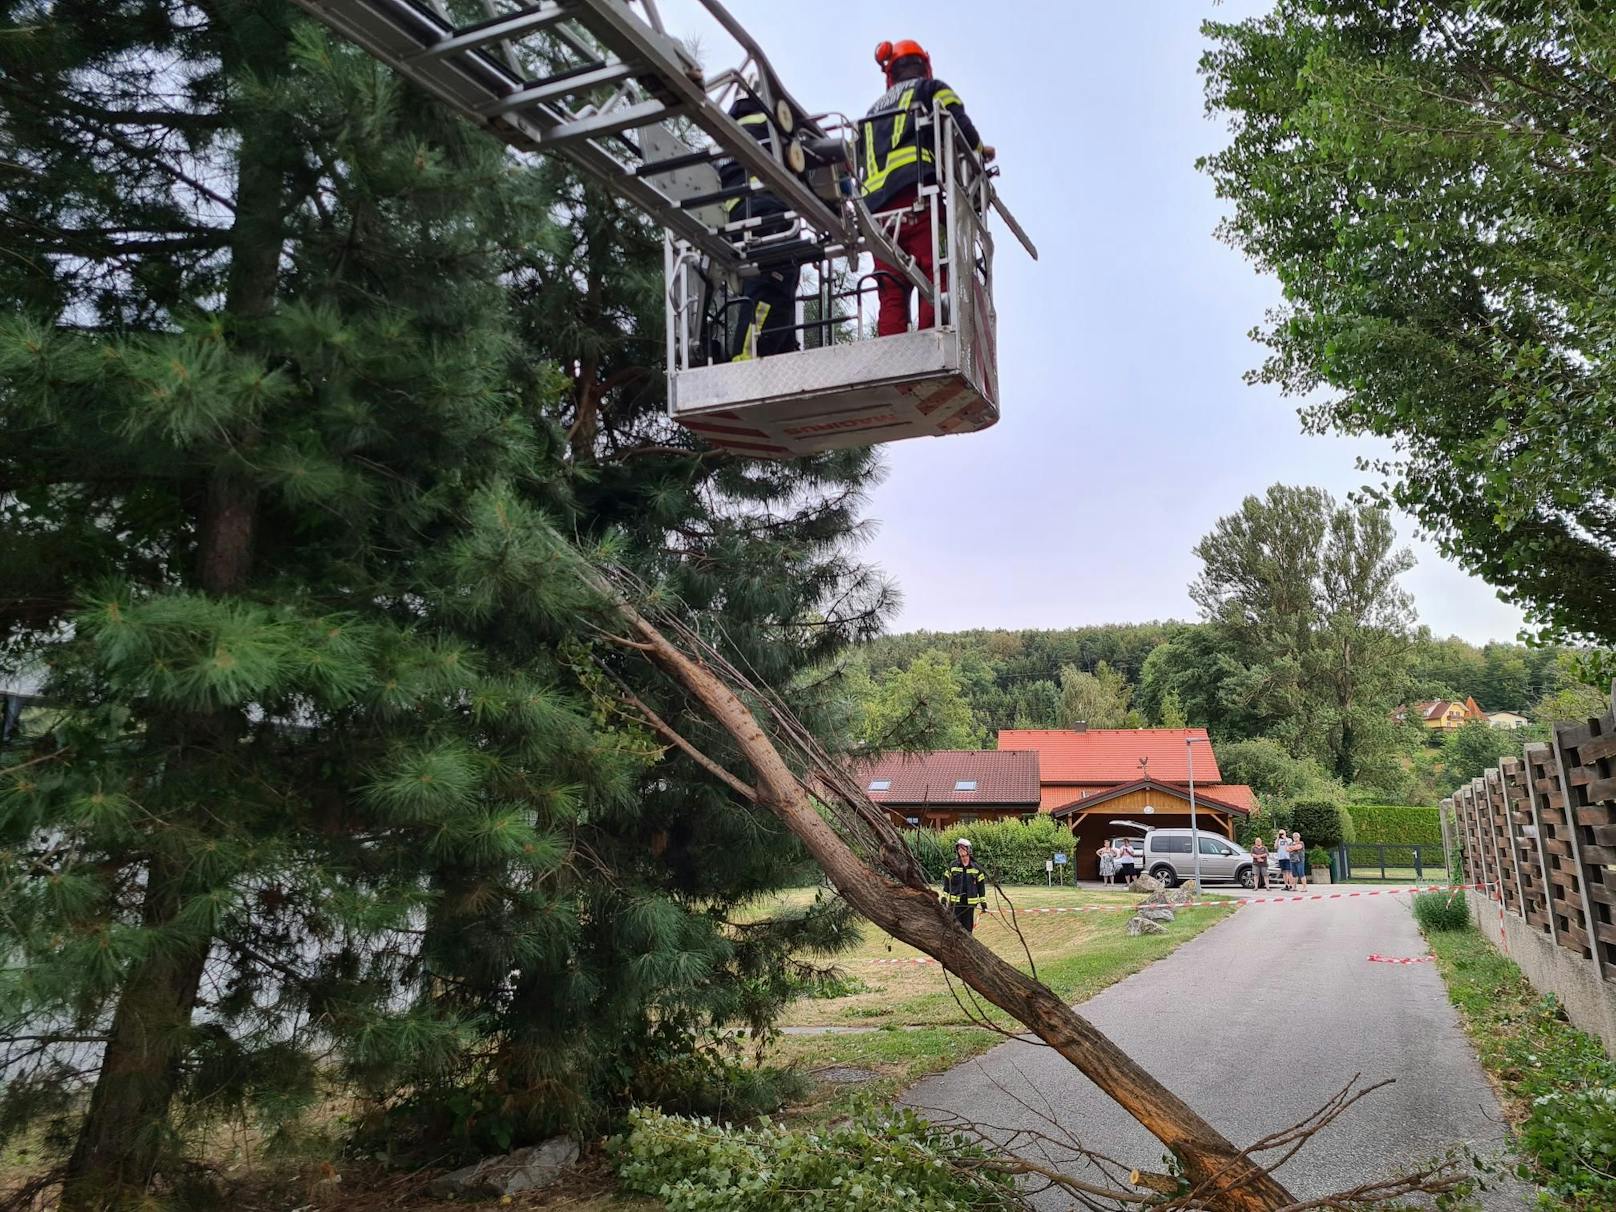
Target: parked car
<point>1166,854</point>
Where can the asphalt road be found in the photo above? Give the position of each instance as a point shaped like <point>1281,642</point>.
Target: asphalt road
<point>1256,1023</point>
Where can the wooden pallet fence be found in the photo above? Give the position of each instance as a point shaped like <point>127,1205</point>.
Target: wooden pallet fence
<point>1565,886</point>
<point>1496,824</point>
<point>1586,757</point>
<point>1527,856</point>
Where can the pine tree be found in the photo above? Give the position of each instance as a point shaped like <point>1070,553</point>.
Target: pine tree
<point>337,760</point>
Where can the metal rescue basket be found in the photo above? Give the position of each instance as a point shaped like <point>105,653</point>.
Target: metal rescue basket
<point>847,387</point>
<point>602,85</point>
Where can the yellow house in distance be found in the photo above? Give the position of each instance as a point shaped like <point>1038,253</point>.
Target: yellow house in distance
<point>1443,714</point>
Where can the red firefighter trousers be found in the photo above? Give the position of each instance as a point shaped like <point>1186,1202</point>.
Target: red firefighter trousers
<point>892,288</point>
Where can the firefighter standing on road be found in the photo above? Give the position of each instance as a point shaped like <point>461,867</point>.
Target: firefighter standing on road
<point>965,887</point>
<point>896,159</point>
<point>765,318</point>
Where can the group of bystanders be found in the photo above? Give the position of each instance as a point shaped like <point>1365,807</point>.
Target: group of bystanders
<point>1289,853</point>
<point>1118,864</point>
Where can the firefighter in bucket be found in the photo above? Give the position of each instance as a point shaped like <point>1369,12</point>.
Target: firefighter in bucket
<point>895,161</point>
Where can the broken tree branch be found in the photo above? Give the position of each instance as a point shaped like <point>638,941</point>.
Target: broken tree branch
<point>907,909</point>
<point>673,737</point>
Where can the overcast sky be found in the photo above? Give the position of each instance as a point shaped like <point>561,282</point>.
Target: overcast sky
<point>1126,428</point>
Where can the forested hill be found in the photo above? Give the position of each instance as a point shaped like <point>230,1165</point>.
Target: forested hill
<point>1006,671</point>
<point>1278,716</point>
<point>1028,655</point>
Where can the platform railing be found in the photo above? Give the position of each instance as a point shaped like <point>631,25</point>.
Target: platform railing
<point>834,295</point>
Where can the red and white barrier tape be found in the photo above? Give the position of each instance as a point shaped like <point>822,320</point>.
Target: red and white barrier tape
<point>1235,903</point>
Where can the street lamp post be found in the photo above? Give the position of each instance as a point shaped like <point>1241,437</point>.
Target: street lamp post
<point>1195,834</point>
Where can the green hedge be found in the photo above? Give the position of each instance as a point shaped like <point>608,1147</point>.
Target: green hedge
<point>1323,822</point>
<point>1397,824</point>
<point>1011,852</point>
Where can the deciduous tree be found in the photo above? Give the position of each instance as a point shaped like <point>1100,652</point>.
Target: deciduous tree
<point>1431,184</point>
<point>920,707</point>
<point>1473,748</point>
<point>1098,699</point>
<point>1307,592</point>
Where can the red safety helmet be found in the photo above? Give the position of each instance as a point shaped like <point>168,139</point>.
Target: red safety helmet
<point>889,53</point>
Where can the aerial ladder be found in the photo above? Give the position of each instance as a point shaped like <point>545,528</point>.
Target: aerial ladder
<point>603,86</point>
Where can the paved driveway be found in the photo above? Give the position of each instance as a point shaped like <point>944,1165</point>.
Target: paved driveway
<point>1256,1023</point>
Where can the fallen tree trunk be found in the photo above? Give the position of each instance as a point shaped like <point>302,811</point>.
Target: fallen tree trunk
<point>1225,1177</point>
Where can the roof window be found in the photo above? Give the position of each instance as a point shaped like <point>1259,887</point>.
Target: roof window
<point>880,784</point>
<point>965,785</point>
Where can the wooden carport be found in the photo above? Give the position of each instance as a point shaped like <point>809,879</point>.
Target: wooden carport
<point>1159,805</point>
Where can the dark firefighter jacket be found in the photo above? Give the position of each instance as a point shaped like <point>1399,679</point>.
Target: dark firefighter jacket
<point>894,153</point>
<point>732,173</point>
<point>965,886</point>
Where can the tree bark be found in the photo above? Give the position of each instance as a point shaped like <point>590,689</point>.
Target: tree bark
<point>121,1139</point>
<point>120,1142</point>
<point>1228,1180</point>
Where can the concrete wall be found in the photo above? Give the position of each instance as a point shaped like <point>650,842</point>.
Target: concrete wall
<point>1590,1003</point>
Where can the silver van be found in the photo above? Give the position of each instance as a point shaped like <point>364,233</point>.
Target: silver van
<point>1167,855</point>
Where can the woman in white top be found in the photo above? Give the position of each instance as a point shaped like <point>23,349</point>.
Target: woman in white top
<point>1125,863</point>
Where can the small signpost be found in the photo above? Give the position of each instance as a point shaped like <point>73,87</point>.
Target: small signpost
<point>1060,861</point>
<point>1049,873</point>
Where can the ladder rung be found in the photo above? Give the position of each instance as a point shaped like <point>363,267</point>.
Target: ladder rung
<point>495,29</point>
<point>675,163</point>
<point>795,250</point>
<point>612,122</point>
<point>590,76</point>
<point>718,195</point>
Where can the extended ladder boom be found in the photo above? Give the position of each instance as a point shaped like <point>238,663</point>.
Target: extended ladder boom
<point>597,84</point>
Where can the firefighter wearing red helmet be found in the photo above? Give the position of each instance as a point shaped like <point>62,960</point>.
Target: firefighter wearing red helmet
<point>895,160</point>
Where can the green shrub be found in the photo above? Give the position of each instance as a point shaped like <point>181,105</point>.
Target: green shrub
<point>1572,1133</point>
<point>1441,911</point>
<point>879,1159</point>
<point>826,985</point>
<point>1012,852</point>
<point>1318,856</point>
<point>1322,822</point>
<point>1396,824</point>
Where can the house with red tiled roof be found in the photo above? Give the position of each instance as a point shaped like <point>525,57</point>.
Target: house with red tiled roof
<point>948,787</point>
<point>1442,714</point>
<point>1090,777</point>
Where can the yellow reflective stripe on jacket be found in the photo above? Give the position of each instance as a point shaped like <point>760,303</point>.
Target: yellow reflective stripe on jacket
<point>875,175</point>
<point>904,102</point>
<point>874,179</point>
<point>731,203</point>
<point>946,97</point>
<point>959,898</point>
<point>754,119</point>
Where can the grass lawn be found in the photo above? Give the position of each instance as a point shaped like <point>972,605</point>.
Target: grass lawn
<point>1077,955</point>
<point>1369,873</point>
<point>1555,1081</point>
